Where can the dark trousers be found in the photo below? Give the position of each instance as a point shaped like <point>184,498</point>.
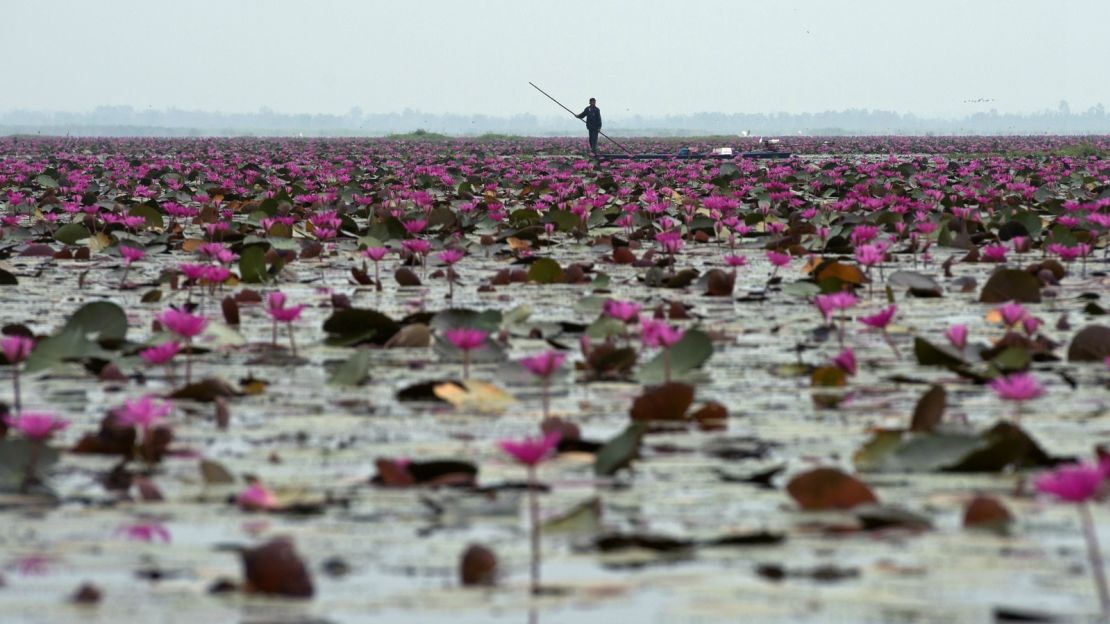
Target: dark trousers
<point>593,139</point>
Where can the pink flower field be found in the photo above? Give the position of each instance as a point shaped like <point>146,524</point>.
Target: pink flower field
<point>462,380</point>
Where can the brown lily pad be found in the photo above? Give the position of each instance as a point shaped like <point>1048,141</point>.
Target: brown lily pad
<point>829,488</point>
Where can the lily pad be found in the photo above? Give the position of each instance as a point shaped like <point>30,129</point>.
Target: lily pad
<point>692,351</point>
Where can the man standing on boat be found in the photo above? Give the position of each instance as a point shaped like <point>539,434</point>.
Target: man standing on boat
<point>592,115</point>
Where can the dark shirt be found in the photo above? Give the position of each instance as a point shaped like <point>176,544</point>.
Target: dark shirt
<point>592,115</point>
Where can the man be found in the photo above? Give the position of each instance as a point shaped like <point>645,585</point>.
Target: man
<point>592,115</point>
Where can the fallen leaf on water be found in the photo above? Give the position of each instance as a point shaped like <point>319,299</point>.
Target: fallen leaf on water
<point>479,396</point>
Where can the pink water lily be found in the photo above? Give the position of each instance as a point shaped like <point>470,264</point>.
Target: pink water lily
<point>846,361</point>
<point>1081,483</point>
<point>183,324</point>
<point>544,364</point>
<point>144,412</point>
<point>145,531</point>
<point>36,425</point>
<point>187,326</point>
<point>466,339</point>
<point>1017,387</point>
<point>16,349</point>
<point>257,497</point>
<point>957,336</point>
<point>531,451</point>
<point>881,319</point>
<point>627,311</point>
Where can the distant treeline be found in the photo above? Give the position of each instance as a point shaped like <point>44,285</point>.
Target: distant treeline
<point>128,121</point>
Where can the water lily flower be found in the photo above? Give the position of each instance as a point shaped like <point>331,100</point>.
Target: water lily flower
<point>257,497</point>
<point>656,333</point>
<point>36,425</point>
<point>1011,312</point>
<point>957,336</point>
<point>187,326</point>
<point>466,339</point>
<point>143,413</point>
<point>846,361</point>
<point>544,365</point>
<point>994,253</point>
<point>145,531</point>
<point>182,323</point>
<point>1074,483</point>
<point>279,313</point>
<point>160,354</point>
<point>376,254</point>
<point>531,451</point>
<point>16,349</point>
<point>627,311</point>
<point>881,319</point>
<point>1080,483</point>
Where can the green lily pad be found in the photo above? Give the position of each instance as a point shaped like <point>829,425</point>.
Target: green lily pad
<point>692,351</point>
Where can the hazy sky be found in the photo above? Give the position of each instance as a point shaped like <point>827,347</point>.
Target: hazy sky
<point>645,56</point>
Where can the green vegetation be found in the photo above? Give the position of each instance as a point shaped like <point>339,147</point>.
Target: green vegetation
<point>419,134</point>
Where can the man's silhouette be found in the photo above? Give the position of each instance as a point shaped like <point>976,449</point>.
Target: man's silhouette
<point>592,115</point>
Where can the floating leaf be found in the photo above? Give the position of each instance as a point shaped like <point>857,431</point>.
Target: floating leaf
<point>252,265</point>
<point>1090,344</point>
<point>585,517</point>
<point>929,410</point>
<point>16,455</point>
<point>414,336</point>
<point>985,512</point>
<point>405,277</point>
<point>353,371</point>
<point>1001,447</point>
<point>479,396</point>
<point>919,284</point>
<point>214,473</point>
<point>691,352</point>
<point>351,326</point>
<point>99,320</point>
<point>929,354</point>
<point>1011,285</point>
<point>718,283</point>
<point>275,568</point>
<point>802,289</point>
<point>545,271</point>
<point>70,233</point>
<point>477,567</point>
<point>206,390</point>
<point>667,402</point>
<point>401,473</point>
<point>620,451</point>
<point>829,488</point>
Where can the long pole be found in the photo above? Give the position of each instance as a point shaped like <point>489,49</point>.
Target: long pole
<point>576,117</point>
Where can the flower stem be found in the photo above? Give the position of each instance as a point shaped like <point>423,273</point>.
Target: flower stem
<point>534,517</point>
<point>466,365</point>
<point>1095,554</point>
<point>667,364</point>
<point>188,361</point>
<point>15,388</point>
<point>292,342</point>
<point>546,397</point>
